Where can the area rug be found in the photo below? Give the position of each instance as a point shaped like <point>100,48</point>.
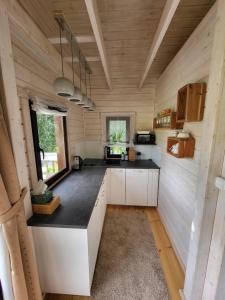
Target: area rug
<point>128,266</point>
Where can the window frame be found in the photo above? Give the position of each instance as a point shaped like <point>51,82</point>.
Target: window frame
<point>118,118</point>
<point>34,126</point>
<point>131,115</point>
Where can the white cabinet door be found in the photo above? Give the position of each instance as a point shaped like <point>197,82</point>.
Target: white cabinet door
<point>102,202</point>
<point>137,187</point>
<point>117,186</point>
<point>94,236</point>
<point>95,227</point>
<point>153,182</point>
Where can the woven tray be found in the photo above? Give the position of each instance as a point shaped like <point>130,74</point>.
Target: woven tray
<point>48,208</point>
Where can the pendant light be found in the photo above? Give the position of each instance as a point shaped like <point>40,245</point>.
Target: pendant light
<point>63,86</point>
<point>92,107</point>
<point>77,96</point>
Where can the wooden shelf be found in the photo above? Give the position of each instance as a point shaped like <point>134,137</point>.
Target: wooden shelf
<point>186,146</point>
<point>190,103</point>
<point>167,121</point>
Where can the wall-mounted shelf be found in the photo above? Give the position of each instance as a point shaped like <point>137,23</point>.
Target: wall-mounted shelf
<point>167,121</point>
<point>190,103</point>
<point>186,146</point>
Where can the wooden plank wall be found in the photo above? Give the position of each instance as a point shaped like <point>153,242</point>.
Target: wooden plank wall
<point>120,99</point>
<point>178,176</point>
<point>37,79</point>
<point>37,64</point>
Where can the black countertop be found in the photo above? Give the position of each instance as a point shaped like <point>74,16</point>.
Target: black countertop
<point>138,164</point>
<point>78,193</point>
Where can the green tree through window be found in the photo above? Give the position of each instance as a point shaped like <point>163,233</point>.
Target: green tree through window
<point>46,132</point>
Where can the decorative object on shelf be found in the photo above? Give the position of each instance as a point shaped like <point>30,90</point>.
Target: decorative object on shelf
<point>62,85</point>
<point>181,147</point>
<point>47,208</point>
<point>164,112</point>
<point>167,121</point>
<point>174,133</point>
<point>183,135</point>
<point>190,102</point>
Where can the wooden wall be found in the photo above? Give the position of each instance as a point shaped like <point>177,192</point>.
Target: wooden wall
<point>178,177</point>
<point>119,99</point>
<point>35,79</point>
<point>37,64</point>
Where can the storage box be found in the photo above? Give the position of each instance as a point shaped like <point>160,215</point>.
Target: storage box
<point>48,208</point>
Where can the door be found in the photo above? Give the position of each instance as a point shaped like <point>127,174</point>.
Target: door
<point>137,187</point>
<point>117,186</point>
<point>153,181</point>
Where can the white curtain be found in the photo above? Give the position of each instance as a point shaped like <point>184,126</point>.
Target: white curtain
<point>45,106</point>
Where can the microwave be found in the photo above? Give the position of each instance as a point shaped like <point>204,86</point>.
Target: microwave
<point>145,138</point>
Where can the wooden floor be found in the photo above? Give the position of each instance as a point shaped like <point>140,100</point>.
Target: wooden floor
<point>172,270</point>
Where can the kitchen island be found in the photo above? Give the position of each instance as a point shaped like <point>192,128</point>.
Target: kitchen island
<point>67,242</point>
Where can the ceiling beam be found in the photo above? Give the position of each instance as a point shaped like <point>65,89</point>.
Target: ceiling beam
<point>81,39</point>
<point>76,60</point>
<point>96,27</point>
<point>165,20</point>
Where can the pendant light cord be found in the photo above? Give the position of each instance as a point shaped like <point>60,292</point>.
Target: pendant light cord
<point>72,56</point>
<point>85,79</point>
<point>90,84</point>
<point>61,50</point>
<point>80,70</point>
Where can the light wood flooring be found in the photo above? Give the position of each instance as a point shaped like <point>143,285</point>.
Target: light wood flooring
<point>173,272</point>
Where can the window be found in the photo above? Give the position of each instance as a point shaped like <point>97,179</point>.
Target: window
<point>118,129</point>
<point>50,144</point>
<point>118,133</point>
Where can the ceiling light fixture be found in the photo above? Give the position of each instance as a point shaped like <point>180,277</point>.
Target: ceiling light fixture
<point>63,86</point>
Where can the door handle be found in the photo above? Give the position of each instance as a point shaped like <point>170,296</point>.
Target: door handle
<point>41,151</point>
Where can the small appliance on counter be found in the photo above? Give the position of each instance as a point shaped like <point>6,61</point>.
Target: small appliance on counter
<point>77,163</point>
<point>110,157</point>
<point>144,138</point>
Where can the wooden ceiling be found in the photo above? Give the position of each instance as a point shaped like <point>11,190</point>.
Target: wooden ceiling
<point>128,28</point>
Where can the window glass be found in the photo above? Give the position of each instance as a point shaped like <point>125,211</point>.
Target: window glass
<point>50,144</point>
<point>118,130</point>
<point>51,141</point>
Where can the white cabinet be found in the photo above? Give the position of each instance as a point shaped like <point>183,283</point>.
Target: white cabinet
<point>137,187</point>
<point>153,182</point>
<point>133,186</point>
<point>94,231</point>
<point>66,257</point>
<point>117,186</point>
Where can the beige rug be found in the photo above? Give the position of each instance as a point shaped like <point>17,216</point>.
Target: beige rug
<point>128,266</point>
